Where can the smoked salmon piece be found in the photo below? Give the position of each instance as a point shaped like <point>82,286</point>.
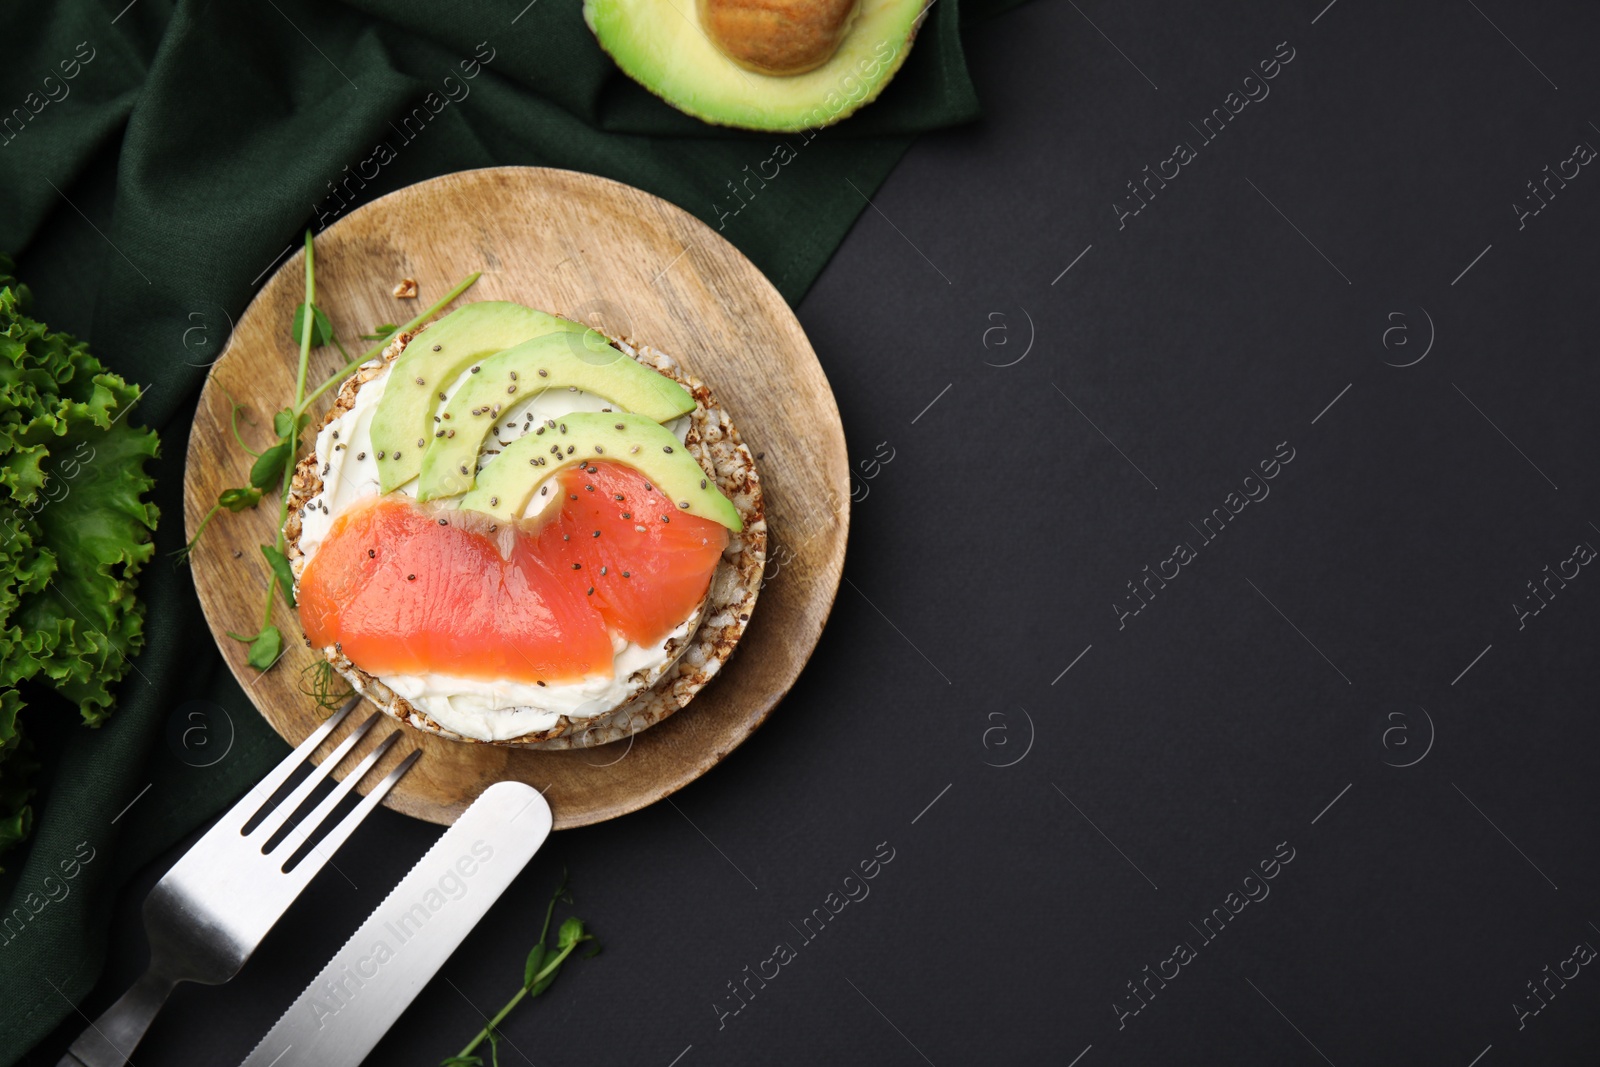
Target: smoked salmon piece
<point>648,562</point>
<point>402,592</point>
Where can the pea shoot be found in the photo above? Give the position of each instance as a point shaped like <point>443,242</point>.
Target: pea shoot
<point>543,965</point>
<point>273,467</point>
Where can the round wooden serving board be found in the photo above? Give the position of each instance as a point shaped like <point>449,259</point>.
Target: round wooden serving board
<point>621,260</point>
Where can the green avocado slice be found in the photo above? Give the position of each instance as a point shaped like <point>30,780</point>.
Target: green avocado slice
<point>507,481</point>
<point>660,44</point>
<point>403,423</point>
<point>512,376</point>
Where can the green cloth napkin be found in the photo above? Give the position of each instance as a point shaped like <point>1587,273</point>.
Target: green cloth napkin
<point>147,197</point>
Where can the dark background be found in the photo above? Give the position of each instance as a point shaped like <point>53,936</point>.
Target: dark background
<point>1318,642</point>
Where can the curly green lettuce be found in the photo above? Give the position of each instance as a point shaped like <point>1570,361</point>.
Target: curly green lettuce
<point>74,533</point>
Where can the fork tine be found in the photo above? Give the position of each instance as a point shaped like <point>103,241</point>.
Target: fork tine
<point>284,811</point>
<point>339,834</point>
<point>308,826</point>
<point>252,802</point>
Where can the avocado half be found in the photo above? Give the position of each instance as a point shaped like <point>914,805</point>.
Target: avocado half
<point>661,45</point>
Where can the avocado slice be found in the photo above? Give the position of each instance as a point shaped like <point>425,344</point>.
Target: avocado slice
<point>507,482</point>
<point>403,423</point>
<point>662,45</point>
<point>510,377</point>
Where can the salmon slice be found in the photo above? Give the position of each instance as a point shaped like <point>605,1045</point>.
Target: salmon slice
<point>402,592</point>
<point>656,560</point>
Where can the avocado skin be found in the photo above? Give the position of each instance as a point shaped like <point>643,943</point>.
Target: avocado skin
<point>674,59</point>
<point>507,481</point>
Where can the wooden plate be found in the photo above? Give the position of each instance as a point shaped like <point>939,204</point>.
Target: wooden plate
<point>617,258</point>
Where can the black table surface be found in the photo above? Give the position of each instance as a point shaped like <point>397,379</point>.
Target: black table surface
<point>1215,656</point>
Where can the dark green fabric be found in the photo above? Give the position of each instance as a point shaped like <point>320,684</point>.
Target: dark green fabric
<point>147,197</point>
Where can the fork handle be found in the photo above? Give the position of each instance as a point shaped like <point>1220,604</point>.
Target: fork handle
<point>111,1039</point>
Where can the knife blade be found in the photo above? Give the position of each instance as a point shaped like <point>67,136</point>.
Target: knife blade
<point>357,997</point>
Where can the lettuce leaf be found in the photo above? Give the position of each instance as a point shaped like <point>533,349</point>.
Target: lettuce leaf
<point>74,532</point>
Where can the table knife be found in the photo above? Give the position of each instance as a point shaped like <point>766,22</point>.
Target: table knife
<point>357,997</point>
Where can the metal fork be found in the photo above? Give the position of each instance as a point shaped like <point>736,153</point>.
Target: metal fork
<point>210,911</point>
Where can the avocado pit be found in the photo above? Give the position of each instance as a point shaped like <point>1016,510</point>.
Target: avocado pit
<point>778,37</point>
